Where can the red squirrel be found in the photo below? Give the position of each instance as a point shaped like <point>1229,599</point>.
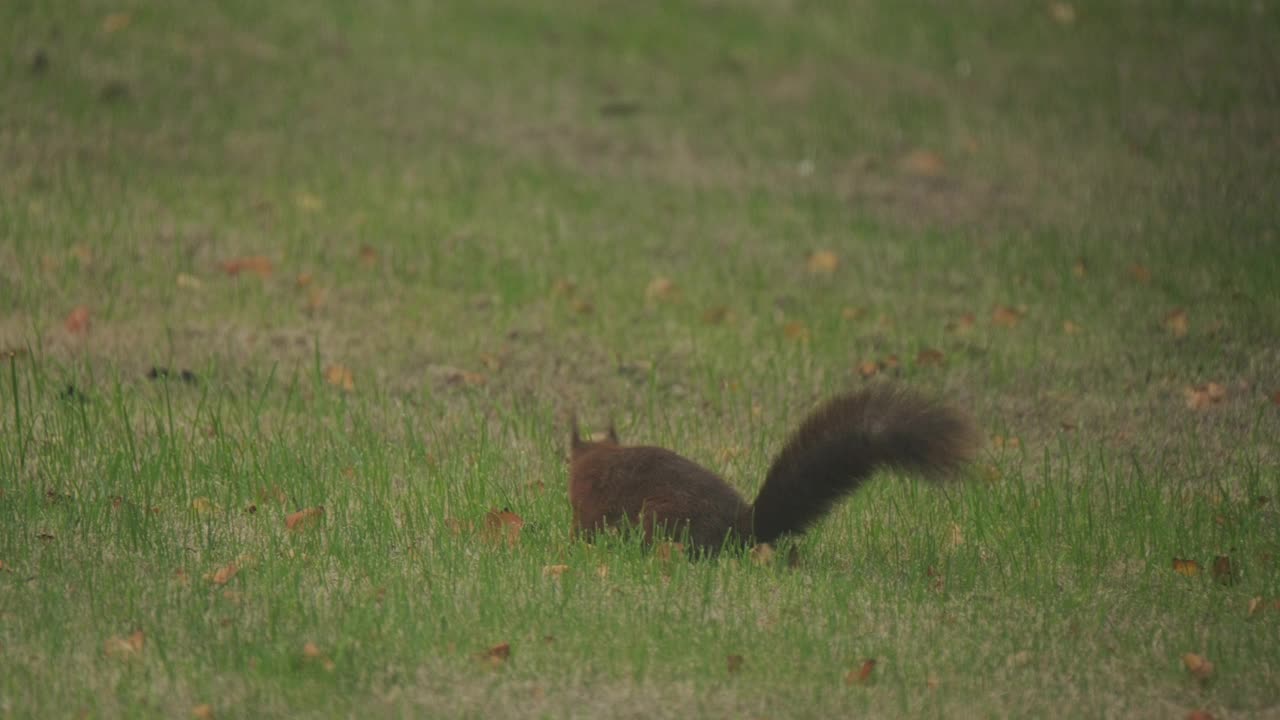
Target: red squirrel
<point>829,456</point>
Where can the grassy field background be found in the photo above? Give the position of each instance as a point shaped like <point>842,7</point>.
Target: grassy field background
<point>457,223</point>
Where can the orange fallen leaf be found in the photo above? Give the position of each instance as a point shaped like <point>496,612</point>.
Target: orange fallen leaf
<point>496,655</point>
<point>1006,316</point>
<point>368,256</point>
<point>1200,397</point>
<point>223,575</point>
<point>303,519</point>
<point>189,282</point>
<point>115,22</point>
<point>312,653</point>
<point>259,265</point>
<point>340,376</point>
<point>304,279</point>
<point>868,368</point>
<point>1177,323</point>
<point>203,711</point>
<point>554,571</point>
<point>582,307</point>
<point>1078,268</point>
<point>861,675</point>
<point>823,262</point>
<point>1071,328</point>
<point>77,322</point>
<point>734,662</point>
<point>852,313</point>
<point>962,324</point>
<point>929,356</point>
<point>1188,568</point>
<point>796,330</point>
<point>125,647</point>
<point>659,289</point>
<point>1199,666</point>
<point>923,163</point>
<point>503,525</point>
<point>1222,571</point>
<point>1140,273</point>
<point>762,554</point>
<point>308,202</point>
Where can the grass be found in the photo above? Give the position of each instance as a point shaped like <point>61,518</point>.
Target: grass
<point>520,174</point>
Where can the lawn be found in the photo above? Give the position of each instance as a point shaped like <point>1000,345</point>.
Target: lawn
<point>296,299</point>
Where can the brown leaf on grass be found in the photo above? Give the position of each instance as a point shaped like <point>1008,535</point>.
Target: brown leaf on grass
<point>313,654</point>
<point>660,289</point>
<point>223,575</point>
<point>762,554</point>
<point>929,357</point>
<point>1187,568</point>
<point>308,202</point>
<point>1071,328</point>
<point>1006,316</point>
<point>1198,665</point>
<point>868,368</point>
<point>852,313</point>
<point>1140,273</point>
<point>1275,399</point>
<point>734,663</point>
<point>1078,268</point>
<point>1001,442</point>
<point>962,324</point>
<point>259,265</point>
<point>45,536</point>
<point>1062,13</point>
<point>822,262</point>
<point>458,527</point>
<point>796,331</point>
<point>1222,571</point>
<point>1203,396</point>
<point>77,322</point>
<point>1177,323</point>
<point>303,519</point>
<point>582,307</point>
<point>189,282</point>
<point>115,22</point>
<point>304,279</point>
<point>665,551</point>
<point>716,315</point>
<point>554,571</point>
<point>368,256</point>
<point>125,647</point>
<point>496,655</point>
<point>503,526</point>
<point>861,675</point>
<point>923,163</point>
<point>1255,604</point>
<point>316,298</point>
<point>340,376</point>
<point>203,711</point>
<point>890,362</point>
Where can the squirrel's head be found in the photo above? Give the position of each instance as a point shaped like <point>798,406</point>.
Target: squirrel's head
<point>577,445</point>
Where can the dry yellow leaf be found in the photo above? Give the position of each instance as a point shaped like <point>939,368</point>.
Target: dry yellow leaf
<point>602,572</point>
<point>1255,604</point>
<point>259,265</point>
<point>762,554</point>
<point>189,282</point>
<point>796,330</point>
<point>115,22</point>
<point>1204,396</point>
<point>304,279</point>
<point>1177,323</point>
<point>852,313</point>
<point>823,262</point>
<point>1078,268</point>
<point>1198,665</point>
<point>340,376</point>
<point>1062,13</point>
<point>659,289</point>
<point>1006,316</point>
<point>503,525</point>
<point>304,519</point>
<point>77,322</point>
<point>125,647</point>
<point>308,202</point>
<point>554,571</point>
<point>1071,328</point>
<point>962,324</point>
<point>203,711</point>
<point>1188,568</point>
<point>861,675</point>
<point>868,368</point>
<point>1140,273</point>
<point>923,163</point>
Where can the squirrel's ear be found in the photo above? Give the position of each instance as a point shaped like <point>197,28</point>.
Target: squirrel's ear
<point>575,439</point>
<point>613,434</point>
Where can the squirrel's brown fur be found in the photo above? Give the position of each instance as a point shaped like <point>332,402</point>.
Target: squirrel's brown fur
<point>828,457</point>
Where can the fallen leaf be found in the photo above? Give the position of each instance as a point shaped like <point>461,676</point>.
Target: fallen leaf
<point>665,551</point>
<point>1222,570</point>
<point>660,289</point>
<point>715,315</point>
<point>1255,604</point>
<point>923,163</point>
<point>77,322</point>
<point>308,202</point>
<point>1199,666</point>
<point>303,519</point>
<point>933,682</point>
<point>304,279</point>
<point>1071,328</point>
<point>312,653</point>
<point>259,265</point>
<point>340,376</point>
<point>503,525</point>
<point>796,330</point>
<point>115,22</point>
<point>602,572</point>
<point>189,282</point>
<point>852,313</point>
<point>1078,268</point>
<point>1005,316</point>
<point>223,575</point>
<point>368,256</point>
<point>1140,273</point>
<point>734,663</point>
<point>868,368</point>
<point>1177,323</point>
<point>929,356</point>
<point>125,647</point>
<point>1188,568</point>
<point>496,655</point>
<point>1275,399</point>
<point>203,506</point>
<point>1203,396</point>
<point>204,711</point>
<point>823,262</point>
<point>582,307</point>
<point>956,538</point>
<point>962,324</point>
<point>561,287</point>
<point>554,571</point>
<point>1062,13</point>
<point>762,554</point>
<point>861,675</point>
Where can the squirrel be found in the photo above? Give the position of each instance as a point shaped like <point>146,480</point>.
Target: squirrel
<point>830,455</point>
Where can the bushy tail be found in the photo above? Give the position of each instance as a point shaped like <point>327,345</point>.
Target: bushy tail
<point>843,442</point>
